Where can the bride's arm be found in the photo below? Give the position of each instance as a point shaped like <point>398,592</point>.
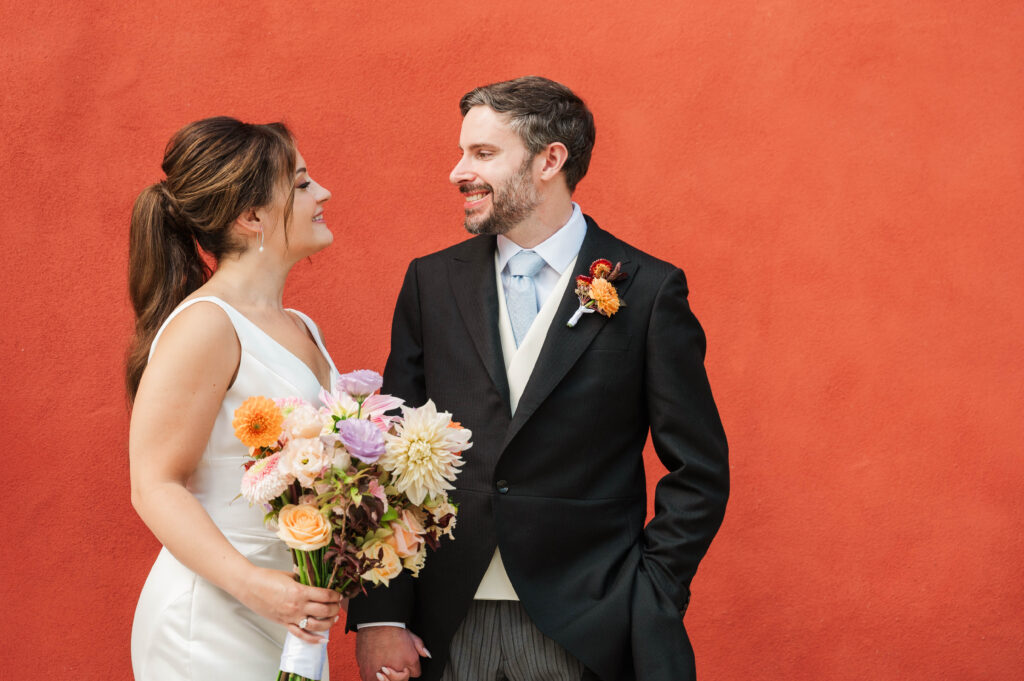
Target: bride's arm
<point>174,411</point>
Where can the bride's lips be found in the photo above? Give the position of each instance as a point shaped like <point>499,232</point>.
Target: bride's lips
<point>319,217</point>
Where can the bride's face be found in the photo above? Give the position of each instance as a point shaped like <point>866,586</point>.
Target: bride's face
<point>307,230</point>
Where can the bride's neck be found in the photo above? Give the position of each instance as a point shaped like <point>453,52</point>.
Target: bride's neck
<point>251,280</point>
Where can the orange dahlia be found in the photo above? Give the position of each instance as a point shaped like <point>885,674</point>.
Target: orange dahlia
<point>257,422</point>
<point>605,297</point>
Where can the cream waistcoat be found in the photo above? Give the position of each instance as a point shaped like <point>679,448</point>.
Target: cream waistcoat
<point>519,363</point>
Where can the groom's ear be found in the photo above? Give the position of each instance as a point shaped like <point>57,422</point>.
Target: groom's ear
<point>553,158</point>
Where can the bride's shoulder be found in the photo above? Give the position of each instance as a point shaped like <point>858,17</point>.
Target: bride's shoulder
<point>199,328</point>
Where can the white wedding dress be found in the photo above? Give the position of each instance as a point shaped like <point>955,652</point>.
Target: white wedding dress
<point>185,628</point>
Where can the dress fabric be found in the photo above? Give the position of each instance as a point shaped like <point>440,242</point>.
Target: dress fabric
<point>186,628</point>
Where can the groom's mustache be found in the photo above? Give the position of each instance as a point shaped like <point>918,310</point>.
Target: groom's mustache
<point>474,188</point>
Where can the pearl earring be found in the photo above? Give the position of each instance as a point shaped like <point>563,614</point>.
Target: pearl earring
<point>261,240</point>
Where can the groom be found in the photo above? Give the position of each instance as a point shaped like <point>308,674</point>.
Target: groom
<point>553,574</point>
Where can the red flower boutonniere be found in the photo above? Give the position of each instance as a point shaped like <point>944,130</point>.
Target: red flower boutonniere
<point>596,292</point>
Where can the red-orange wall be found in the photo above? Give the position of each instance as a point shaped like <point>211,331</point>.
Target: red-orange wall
<point>841,181</point>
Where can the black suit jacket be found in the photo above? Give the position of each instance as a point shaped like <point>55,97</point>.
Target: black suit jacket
<point>560,486</point>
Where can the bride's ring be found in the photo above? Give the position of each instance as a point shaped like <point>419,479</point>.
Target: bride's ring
<point>303,623</point>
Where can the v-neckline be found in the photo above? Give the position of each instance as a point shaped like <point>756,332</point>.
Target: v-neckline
<point>331,369</point>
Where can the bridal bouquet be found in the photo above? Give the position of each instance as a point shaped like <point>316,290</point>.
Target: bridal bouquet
<point>358,495</point>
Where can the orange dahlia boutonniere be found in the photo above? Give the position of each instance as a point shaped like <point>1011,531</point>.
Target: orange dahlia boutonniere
<point>257,422</point>
<point>596,292</point>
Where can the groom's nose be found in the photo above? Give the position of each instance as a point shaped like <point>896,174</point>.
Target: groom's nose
<point>460,173</point>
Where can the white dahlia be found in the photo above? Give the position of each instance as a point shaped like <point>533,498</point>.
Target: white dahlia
<point>264,480</point>
<point>423,454</point>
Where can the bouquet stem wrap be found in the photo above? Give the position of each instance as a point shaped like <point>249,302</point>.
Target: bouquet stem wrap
<point>301,661</point>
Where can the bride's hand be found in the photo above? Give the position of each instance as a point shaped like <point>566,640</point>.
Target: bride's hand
<point>278,597</point>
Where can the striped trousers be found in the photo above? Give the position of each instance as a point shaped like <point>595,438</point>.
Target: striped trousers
<point>498,642</point>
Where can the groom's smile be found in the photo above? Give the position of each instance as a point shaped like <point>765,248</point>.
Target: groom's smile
<point>474,196</point>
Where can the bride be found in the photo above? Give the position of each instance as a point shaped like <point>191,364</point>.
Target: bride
<point>220,597</point>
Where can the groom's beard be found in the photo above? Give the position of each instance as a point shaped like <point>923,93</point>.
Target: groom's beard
<point>511,203</point>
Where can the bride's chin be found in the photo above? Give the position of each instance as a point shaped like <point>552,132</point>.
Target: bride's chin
<point>321,243</point>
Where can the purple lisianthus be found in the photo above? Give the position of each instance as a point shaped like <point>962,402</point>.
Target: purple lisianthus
<point>360,384</point>
<point>362,439</point>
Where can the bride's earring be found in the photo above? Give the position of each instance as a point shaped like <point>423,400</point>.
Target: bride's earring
<point>261,240</point>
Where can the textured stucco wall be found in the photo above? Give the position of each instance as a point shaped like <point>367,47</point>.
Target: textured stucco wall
<point>842,183</point>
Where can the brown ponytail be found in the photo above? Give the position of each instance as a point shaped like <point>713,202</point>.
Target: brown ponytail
<point>216,169</point>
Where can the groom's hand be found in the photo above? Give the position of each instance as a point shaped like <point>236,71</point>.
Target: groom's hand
<point>388,647</point>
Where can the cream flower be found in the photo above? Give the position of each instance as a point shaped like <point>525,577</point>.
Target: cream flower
<point>415,562</point>
<point>305,459</point>
<point>423,455</point>
<point>390,564</point>
<point>340,457</point>
<point>264,480</point>
<point>304,421</point>
<point>439,509</point>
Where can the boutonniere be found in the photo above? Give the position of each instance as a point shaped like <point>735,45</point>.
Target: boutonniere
<point>596,292</point>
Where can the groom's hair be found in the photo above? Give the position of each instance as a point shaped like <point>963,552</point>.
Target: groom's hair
<point>542,111</point>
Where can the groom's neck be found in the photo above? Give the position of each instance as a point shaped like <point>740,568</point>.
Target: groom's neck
<point>548,217</point>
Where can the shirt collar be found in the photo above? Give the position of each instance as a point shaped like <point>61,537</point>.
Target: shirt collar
<point>558,250</point>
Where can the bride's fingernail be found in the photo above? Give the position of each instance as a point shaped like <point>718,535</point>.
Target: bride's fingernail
<point>427,653</point>
<point>337,617</point>
<point>381,677</point>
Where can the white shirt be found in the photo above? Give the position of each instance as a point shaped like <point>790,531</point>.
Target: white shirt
<point>558,250</point>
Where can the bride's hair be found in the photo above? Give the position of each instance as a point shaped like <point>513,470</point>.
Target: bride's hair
<point>216,169</point>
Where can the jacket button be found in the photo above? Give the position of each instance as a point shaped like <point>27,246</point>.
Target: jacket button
<point>502,486</point>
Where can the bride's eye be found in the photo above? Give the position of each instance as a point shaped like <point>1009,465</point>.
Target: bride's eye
<point>304,185</point>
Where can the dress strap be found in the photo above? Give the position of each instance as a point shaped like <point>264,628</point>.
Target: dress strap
<point>314,330</point>
<point>230,311</point>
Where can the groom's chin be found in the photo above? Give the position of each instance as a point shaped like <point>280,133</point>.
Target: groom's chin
<point>486,226</point>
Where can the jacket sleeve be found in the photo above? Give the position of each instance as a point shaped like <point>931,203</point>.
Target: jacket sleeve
<point>403,377</point>
<point>689,501</point>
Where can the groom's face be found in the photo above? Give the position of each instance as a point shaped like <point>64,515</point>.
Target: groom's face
<point>495,173</point>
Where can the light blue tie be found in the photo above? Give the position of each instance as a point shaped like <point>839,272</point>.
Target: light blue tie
<point>521,295</point>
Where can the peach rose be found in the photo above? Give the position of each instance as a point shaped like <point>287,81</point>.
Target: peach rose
<point>305,459</point>
<point>406,534</point>
<point>303,528</point>
<point>390,564</point>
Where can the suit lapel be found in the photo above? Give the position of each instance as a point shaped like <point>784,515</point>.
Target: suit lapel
<point>472,275</point>
<point>564,346</point>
